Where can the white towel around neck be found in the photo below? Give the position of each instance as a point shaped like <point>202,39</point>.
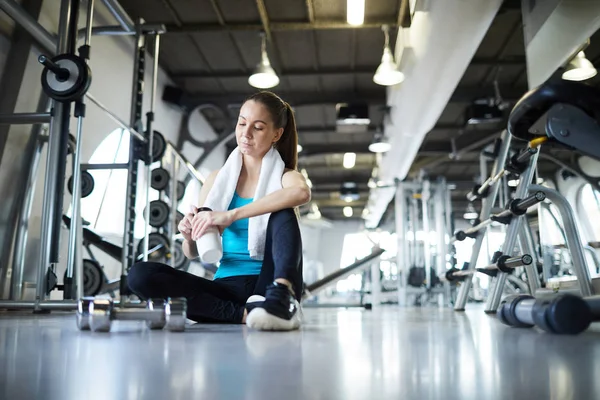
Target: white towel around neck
<point>221,193</point>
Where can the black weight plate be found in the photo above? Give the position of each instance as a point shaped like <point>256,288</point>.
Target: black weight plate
<point>159,146</point>
<point>178,219</point>
<point>180,190</point>
<point>159,213</point>
<point>75,87</point>
<point>181,261</point>
<point>87,184</point>
<point>159,179</point>
<point>568,315</point>
<point>93,277</point>
<point>155,239</point>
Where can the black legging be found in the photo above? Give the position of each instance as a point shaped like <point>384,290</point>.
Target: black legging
<point>223,299</point>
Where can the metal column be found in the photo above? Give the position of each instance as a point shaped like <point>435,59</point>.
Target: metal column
<point>486,208</point>
<point>497,284</point>
<point>441,229</point>
<point>425,197</point>
<point>402,256</point>
<point>56,160</point>
<point>20,242</point>
<point>75,254</point>
<point>173,196</point>
<point>135,146</point>
<point>528,245</point>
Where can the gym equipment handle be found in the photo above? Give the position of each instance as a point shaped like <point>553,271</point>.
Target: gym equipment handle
<point>62,74</point>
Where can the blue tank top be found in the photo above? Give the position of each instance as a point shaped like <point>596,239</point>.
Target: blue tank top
<point>236,258</point>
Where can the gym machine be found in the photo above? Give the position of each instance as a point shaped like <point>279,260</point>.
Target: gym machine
<point>422,206</point>
<point>65,79</point>
<point>567,114</point>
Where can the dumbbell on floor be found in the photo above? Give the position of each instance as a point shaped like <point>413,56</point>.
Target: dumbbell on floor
<point>562,314</point>
<point>97,314</point>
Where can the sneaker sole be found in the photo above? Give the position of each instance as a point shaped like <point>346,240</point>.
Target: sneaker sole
<point>260,319</point>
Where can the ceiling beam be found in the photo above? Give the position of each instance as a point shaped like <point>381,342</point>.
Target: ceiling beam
<point>172,29</point>
<point>264,19</point>
<point>463,94</point>
<point>404,19</point>
<point>310,10</point>
<point>332,148</point>
<point>325,71</point>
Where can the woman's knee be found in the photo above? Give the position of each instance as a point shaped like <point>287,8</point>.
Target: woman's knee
<point>282,217</point>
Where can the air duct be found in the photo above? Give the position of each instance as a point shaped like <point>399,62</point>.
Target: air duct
<point>433,54</point>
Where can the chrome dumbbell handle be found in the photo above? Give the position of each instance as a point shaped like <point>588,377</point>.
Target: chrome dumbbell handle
<point>98,314</point>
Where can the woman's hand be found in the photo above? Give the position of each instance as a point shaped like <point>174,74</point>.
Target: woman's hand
<point>185,225</point>
<point>206,219</point>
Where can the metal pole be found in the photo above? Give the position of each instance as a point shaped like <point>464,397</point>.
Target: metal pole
<point>415,228</point>
<point>120,15</point>
<point>425,196</point>
<point>150,137</point>
<point>27,22</point>
<point>25,118</point>
<point>528,244</point>
<point>55,169</point>
<point>173,196</point>
<point>75,254</point>
<point>512,233</point>
<point>18,260</point>
<point>128,256</point>
<point>486,208</point>
<point>572,238</point>
<point>440,229</point>
<point>402,256</point>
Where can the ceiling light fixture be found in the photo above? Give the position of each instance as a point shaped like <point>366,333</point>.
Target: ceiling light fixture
<point>380,145</point>
<point>355,12</point>
<point>299,148</point>
<point>387,73</point>
<point>471,213</point>
<point>264,76</point>
<point>579,69</point>
<point>349,160</point>
<point>348,211</point>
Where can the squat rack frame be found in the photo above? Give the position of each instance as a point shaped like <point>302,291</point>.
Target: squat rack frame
<point>58,118</point>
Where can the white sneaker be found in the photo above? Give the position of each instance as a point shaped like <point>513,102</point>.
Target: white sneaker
<point>280,311</point>
<point>260,319</point>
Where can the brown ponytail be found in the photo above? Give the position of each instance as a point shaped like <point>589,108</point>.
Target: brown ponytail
<point>283,117</point>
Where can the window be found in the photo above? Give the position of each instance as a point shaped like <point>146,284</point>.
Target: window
<point>357,246</point>
<point>104,209</point>
<point>551,231</point>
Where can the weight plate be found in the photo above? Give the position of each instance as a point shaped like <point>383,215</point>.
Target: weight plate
<point>181,261</point>
<point>155,239</point>
<point>159,146</point>
<point>87,184</point>
<point>93,277</point>
<point>159,179</point>
<point>180,190</point>
<point>159,213</point>
<point>178,219</point>
<point>80,78</point>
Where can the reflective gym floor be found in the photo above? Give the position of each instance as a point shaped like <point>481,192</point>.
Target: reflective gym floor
<point>387,353</point>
